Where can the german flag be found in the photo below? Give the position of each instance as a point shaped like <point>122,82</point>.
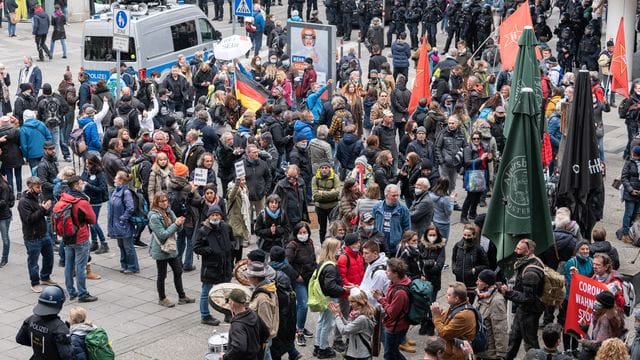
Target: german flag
<point>250,94</point>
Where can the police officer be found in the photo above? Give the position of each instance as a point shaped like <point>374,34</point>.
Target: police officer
<point>413,16</point>
<point>430,19</point>
<point>349,9</point>
<point>565,22</point>
<point>542,30</point>
<point>452,28</point>
<point>398,20</point>
<point>566,50</point>
<point>484,23</point>
<point>47,335</point>
<point>465,24</point>
<point>589,49</point>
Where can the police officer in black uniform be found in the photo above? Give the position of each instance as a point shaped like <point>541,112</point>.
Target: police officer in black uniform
<point>413,16</point>
<point>47,335</point>
<point>398,20</point>
<point>349,10</point>
<point>589,49</point>
<point>484,24</point>
<point>566,50</point>
<point>542,30</point>
<point>430,19</point>
<point>452,28</point>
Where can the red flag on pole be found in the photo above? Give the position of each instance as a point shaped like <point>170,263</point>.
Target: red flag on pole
<point>422,84</point>
<point>619,76</point>
<point>510,31</point>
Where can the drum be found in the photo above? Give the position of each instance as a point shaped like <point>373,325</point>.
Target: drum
<point>238,272</point>
<point>218,342</point>
<point>219,293</point>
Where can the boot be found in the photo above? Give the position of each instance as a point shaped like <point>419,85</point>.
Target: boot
<point>94,246</point>
<point>91,275</point>
<point>104,248</point>
<point>407,348</point>
<point>627,239</point>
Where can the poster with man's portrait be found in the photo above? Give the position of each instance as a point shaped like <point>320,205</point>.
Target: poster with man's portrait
<point>315,41</point>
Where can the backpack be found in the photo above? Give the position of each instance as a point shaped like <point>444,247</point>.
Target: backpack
<point>140,210</point>
<point>634,232</point>
<point>317,300</point>
<point>112,85</point>
<point>420,297</point>
<point>98,346</point>
<point>135,172</point>
<point>63,223</point>
<point>629,292</point>
<point>480,342</point>
<point>178,205</point>
<point>286,297</point>
<point>377,268</point>
<point>51,112</point>
<point>553,290</point>
<point>77,141</point>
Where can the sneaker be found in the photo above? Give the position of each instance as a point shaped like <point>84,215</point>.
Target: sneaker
<point>315,350</point>
<point>72,297</point>
<point>339,346</point>
<point>186,300</point>
<point>139,243</point>
<point>209,320</point>
<point>94,246</point>
<point>407,348</point>
<point>3,263</point>
<point>103,249</point>
<point>127,272</point>
<point>627,239</point>
<point>166,303</point>
<point>457,207</point>
<point>328,353</point>
<point>48,282</point>
<point>88,298</point>
<point>300,340</point>
<point>36,288</point>
<point>189,269</point>
<point>464,220</point>
<point>307,333</point>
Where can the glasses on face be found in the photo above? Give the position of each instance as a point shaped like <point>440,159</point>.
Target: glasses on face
<point>475,138</point>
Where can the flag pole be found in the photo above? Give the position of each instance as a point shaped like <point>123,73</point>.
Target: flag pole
<point>485,40</point>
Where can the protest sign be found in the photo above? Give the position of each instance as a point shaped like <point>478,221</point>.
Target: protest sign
<point>582,294</point>
<point>200,176</point>
<point>239,169</point>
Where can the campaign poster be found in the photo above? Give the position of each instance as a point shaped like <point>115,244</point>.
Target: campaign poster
<point>582,294</point>
<point>316,42</point>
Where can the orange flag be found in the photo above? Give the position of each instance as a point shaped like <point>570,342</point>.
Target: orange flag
<point>619,76</point>
<point>510,31</point>
<point>422,84</point>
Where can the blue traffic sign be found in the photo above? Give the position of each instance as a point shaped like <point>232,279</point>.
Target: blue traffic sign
<point>121,22</point>
<point>243,7</point>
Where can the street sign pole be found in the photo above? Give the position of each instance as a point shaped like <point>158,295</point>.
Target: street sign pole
<point>120,40</point>
<point>233,26</point>
<point>118,76</point>
<point>241,8</point>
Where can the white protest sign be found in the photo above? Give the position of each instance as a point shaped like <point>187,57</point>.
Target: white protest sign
<point>240,169</point>
<point>200,176</point>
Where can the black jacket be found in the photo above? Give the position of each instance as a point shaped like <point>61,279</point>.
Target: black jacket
<point>468,261</point>
<point>330,281</point>
<point>433,261</point>
<point>300,157</point>
<point>112,163</point>
<point>387,137</point>
<point>32,216</point>
<point>528,287</point>
<point>215,247</point>
<point>448,144</point>
<point>258,176</point>
<point>302,258</point>
<point>11,154</point>
<point>562,251</point>
<point>226,160</point>
<point>400,97</point>
<point>294,200</point>
<point>95,187</point>
<point>607,248</point>
<point>49,331</point>
<point>263,230</point>
<point>7,200</point>
<point>247,334</point>
<point>421,212</point>
<point>630,180</point>
<point>24,102</point>
<point>191,158</point>
<point>347,150</point>
<point>383,176</point>
<point>47,172</point>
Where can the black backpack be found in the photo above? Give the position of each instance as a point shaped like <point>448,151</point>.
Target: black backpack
<point>177,203</point>
<point>480,342</point>
<point>51,115</point>
<point>286,296</point>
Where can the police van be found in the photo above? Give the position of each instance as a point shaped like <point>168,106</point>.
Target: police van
<point>158,35</point>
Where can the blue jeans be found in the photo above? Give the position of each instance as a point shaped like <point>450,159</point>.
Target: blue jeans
<point>185,242</point>
<point>36,247</point>
<point>96,230</point>
<point>76,257</point>
<point>11,173</point>
<point>267,350</point>
<point>324,328</point>
<point>204,300</point>
<point>4,232</point>
<point>301,305</point>
<point>12,29</point>
<point>391,342</point>
<point>64,46</point>
<point>128,255</point>
<point>630,210</point>
<point>55,134</point>
<point>601,148</point>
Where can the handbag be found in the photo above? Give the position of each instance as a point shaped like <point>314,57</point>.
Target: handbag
<point>13,18</point>
<point>474,180</point>
<point>169,246</point>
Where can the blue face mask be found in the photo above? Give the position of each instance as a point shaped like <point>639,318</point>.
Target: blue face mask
<point>285,63</point>
<point>214,222</point>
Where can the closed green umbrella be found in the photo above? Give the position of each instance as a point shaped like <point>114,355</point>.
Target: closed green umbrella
<point>526,74</point>
<point>518,207</point>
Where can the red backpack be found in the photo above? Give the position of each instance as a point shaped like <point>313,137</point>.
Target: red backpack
<point>63,223</point>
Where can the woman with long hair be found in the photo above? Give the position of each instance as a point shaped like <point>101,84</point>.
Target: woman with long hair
<point>301,254</point>
<point>613,349</point>
<point>370,98</point>
<point>476,157</point>
<point>348,202</point>
<point>442,206</point>
<point>129,148</point>
<point>202,79</point>
<point>354,99</point>
<point>96,188</point>
<point>607,321</point>
<point>120,227</point>
<point>164,227</point>
<point>217,108</point>
<point>160,176</point>
<point>383,170</point>
<point>408,177</point>
<point>271,226</point>
<point>358,326</point>
<point>409,251</point>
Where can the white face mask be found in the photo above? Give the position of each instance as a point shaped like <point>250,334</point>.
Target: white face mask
<point>303,237</point>
<point>432,238</point>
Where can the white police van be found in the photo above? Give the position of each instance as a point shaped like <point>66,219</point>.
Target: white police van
<point>158,35</point>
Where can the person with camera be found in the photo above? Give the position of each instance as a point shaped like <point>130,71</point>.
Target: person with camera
<point>456,324</point>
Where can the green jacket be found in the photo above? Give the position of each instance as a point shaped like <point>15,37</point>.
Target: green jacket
<point>326,191</point>
<point>162,233</point>
<point>236,220</point>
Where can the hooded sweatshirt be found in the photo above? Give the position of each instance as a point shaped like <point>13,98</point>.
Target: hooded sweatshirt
<point>264,301</point>
<point>81,211</point>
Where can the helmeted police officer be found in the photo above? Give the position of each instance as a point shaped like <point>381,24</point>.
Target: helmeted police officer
<point>47,335</point>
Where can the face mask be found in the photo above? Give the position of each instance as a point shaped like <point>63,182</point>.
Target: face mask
<point>519,256</point>
<point>467,238</point>
<point>302,238</point>
<point>285,63</point>
<point>369,227</point>
<point>214,222</point>
<point>432,238</point>
<point>340,236</point>
<point>415,247</point>
<point>115,184</point>
<point>419,192</point>
<point>301,147</point>
<point>273,61</point>
<point>258,63</point>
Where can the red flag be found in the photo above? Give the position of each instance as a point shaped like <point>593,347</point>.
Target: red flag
<point>510,31</point>
<point>422,84</point>
<point>619,76</point>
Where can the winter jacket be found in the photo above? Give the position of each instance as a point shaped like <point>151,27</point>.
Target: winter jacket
<point>375,277</point>
<point>33,134</point>
<point>7,200</point>
<point>258,176</point>
<point>300,157</point>
<point>526,292</point>
<point>330,281</point>
<point>448,144</point>
<point>356,330</point>
<point>214,244</point>
<point>326,190</point>
<point>235,211</point>
<point>192,154</point>
<point>461,326</point>
<point>40,23</point>
<point>421,213</point>
<point>434,256</point>
<point>319,151</point>
<point>400,97</point>
<point>180,189</point>
<point>247,335</point>
<point>158,181</point>
<point>262,228</point>
<point>81,213</point>
<point>607,248</point>
<point>400,53</point>
<point>565,243</point>
<point>314,102</point>
<point>78,335</point>
<point>630,180</point>
<point>383,176</point>
<point>387,137</point>
<point>47,171</point>
<point>351,266</point>
<point>161,232</point>
<point>424,150</point>
<point>493,308</point>
<point>396,305</point>
<point>264,301</point>
<point>112,163</point>
<point>122,206</point>
<point>584,266</point>
<point>58,21</point>
<point>294,200</point>
<point>32,216</point>
<point>614,281</point>
<point>302,257</point>
<point>24,102</point>
<point>56,344</point>
<point>11,156</point>
<point>399,223</point>
<point>413,258</point>
<point>347,150</point>
<point>91,135</point>
<point>304,128</point>
<point>95,187</point>
<point>467,261</point>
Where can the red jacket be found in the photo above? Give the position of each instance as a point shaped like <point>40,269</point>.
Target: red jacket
<point>351,267</point>
<point>169,151</point>
<point>617,279</point>
<point>82,213</point>
<point>396,307</point>
<point>308,78</point>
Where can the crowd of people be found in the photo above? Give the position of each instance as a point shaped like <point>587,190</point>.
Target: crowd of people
<point>182,157</point>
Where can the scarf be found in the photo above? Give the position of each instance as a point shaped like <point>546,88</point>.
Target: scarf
<point>5,90</point>
<point>279,265</point>
<point>522,261</point>
<point>272,214</point>
<point>354,314</point>
<point>487,293</point>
